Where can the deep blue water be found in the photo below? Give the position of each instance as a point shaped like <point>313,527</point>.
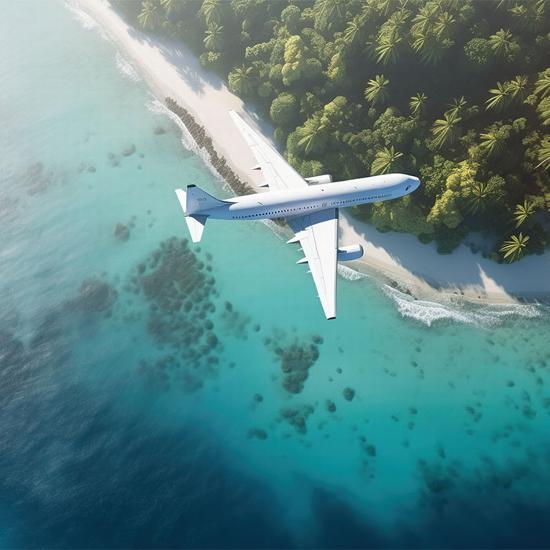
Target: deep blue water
<point>144,400</point>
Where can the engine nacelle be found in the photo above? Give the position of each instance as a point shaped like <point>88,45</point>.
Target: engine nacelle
<point>351,252</point>
<point>325,178</point>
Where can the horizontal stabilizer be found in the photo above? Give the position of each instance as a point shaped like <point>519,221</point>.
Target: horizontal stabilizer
<point>182,197</point>
<point>196,222</point>
<point>196,227</point>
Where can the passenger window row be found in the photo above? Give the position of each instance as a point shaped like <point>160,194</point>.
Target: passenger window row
<point>286,210</point>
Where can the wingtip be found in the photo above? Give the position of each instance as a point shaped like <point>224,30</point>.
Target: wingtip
<point>331,318</point>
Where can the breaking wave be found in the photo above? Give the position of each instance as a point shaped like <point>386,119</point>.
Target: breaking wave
<point>85,20</point>
<point>126,68</point>
<point>350,274</point>
<point>487,315</point>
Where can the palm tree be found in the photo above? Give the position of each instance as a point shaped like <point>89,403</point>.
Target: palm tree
<point>149,15</point>
<point>377,89</point>
<point>492,141</point>
<point>517,87</point>
<point>501,42</point>
<point>457,106</point>
<point>387,50</point>
<point>426,18</point>
<point>169,5</point>
<point>431,49</point>
<point>514,248</point>
<point>445,130</point>
<point>417,103</point>
<point>385,160</point>
<point>353,30</point>
<point>544,154</point>
<point>213,37</point>
<point>443,25</point>
<point>241,80</point>
<point>312,135</point>
<point>524,211</point>
<point>481,193</point>
<point>542,86</point>
<point>328,12</point>
<point>531,15</point>
<point>385,6</point>
<point>543,109</point>
<point>500,99</point>
<point>211,11</point>
<point>390,37</point>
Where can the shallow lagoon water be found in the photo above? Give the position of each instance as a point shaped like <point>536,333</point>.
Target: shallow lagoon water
<point>110,438</point>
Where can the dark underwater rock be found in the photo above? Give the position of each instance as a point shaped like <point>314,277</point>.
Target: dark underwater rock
<point>297,417</point>
<point>96,295</point>
<point>257,433</point>
<point>348,393</point>
<point>128,151</point>
<point>122,233</point>
<point>296,359</point>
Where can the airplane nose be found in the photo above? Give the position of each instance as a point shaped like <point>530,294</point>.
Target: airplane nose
<point>412,184</point>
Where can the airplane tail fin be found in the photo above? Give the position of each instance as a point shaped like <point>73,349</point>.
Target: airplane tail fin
<point>195,221</point>
<point>195,200</point>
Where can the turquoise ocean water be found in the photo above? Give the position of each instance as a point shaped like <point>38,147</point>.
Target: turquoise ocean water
<point>123,424</point>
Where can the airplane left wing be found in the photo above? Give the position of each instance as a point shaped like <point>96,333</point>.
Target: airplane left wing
<point>278,174</point>
<point>318,235</point>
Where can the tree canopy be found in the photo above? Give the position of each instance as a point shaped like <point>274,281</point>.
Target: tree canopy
<point>457,92</point>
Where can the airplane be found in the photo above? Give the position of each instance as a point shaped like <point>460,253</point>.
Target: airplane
<point>309,205</point>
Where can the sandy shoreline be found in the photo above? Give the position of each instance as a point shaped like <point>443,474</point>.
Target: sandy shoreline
<point>399,259</point>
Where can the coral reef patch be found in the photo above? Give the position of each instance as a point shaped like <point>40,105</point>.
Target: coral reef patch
<point>296,358</point>
<point>178,291</point>
<point>122,232</point>
<point>297,417</point>
<point>96,295</point>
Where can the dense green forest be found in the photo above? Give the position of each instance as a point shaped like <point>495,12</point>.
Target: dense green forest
<point>454,91</point>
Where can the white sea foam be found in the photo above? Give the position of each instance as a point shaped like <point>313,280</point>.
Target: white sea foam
<point>350,274</point>
<point>85,20</point>
<point>487,315</point>
<point>126,68</point>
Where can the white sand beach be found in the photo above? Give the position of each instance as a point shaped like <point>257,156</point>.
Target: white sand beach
<point>172,70</point>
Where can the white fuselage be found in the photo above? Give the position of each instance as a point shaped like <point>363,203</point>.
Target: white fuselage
<point>301,201</point>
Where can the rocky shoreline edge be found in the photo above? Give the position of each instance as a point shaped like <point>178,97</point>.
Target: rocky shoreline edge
<point>204,141</point>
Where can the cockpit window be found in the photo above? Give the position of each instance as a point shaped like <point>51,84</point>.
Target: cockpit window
<point>407,188</point>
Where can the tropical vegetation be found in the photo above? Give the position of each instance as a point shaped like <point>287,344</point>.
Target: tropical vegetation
<point>454,91</point>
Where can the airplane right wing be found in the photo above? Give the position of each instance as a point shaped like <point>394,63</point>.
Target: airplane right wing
<point>318,235</point>
<point>277,172</point>
<point>317,232</point>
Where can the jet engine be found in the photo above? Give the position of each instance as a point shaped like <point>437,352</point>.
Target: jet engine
<point>351,252</point>
<point>325,178</point>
